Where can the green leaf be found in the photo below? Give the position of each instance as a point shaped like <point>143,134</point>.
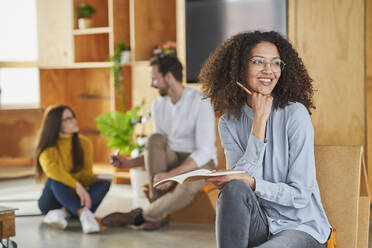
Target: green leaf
<point>118,128</point>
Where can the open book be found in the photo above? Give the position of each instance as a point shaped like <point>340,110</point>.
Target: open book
<point>196,175</point>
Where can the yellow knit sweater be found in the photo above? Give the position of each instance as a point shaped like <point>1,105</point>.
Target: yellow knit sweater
<point>57,162</point>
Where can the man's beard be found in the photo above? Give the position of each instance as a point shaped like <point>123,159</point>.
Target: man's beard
<point>164,91</point>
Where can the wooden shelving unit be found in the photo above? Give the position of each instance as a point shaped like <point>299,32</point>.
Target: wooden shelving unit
<point>74,65</point>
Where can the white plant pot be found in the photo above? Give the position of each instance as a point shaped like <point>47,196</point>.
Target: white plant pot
<point>84,23</point>
<point>125,57</point>
<point>138,178</point>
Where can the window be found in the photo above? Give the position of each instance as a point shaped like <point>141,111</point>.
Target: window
<point>19,75</point>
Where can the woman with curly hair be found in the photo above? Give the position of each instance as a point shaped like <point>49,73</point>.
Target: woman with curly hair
<point>266,133</point>
<point>66,158</point>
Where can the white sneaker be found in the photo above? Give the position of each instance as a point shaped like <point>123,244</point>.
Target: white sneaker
<point>56,218</point>
<point>88,221</point>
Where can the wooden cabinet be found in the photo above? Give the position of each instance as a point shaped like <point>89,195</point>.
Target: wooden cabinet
<point>74,65</point>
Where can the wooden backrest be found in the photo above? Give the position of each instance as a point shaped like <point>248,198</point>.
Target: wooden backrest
<point>342,180</point>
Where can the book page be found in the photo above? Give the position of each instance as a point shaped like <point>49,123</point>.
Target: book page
<point>196,175</point>
<point>182,177</point>
<point>211,174</point>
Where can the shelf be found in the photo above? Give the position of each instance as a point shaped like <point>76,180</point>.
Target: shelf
<point>100,18</point>
<point>20,106</point>
<point>81,65</point>
<point>92,31</point>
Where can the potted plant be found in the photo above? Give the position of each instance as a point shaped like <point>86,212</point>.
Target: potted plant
<point>169,47</point>
<point>85,12</point>
<point>118,128</point>
<point>124,52</point>
<point>117,72</point>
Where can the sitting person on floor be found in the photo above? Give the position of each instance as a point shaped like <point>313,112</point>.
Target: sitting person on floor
<point>66,158</point>
<point>266,133</point>
<point>183,140</point>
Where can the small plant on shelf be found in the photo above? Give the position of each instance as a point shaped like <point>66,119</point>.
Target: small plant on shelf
<point>85,11</point>
<point>117,72</point>
<point>124,51</point>
<point>169,47</point>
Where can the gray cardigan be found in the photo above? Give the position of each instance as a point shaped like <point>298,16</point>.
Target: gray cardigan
<point>283,166</point>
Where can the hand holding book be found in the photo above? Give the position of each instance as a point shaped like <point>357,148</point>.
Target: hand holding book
<point>196,175</point>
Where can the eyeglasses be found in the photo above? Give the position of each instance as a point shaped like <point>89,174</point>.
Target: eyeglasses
<point>259,64</point>
<point>68,119</point>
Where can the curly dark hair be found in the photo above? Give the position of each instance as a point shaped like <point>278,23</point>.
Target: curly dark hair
<point>229,62</point>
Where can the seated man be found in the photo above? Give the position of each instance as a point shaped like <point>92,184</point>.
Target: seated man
<point>183,140</point>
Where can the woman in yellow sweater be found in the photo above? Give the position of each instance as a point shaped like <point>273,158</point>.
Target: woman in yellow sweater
<point>65,158</point>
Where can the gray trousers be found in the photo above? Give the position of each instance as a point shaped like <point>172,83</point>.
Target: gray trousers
<point>160,158</point>
<point>240,222</point>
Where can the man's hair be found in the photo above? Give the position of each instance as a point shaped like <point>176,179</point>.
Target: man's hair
<point>168,63</point>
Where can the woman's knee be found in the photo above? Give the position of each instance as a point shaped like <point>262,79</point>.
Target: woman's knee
<point>106,186</point>
<point>100,188</point>
<point>55,184</point>
<point>236,189</point>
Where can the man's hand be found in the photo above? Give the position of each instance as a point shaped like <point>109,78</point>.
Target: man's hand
<point>220,181</point>
<point>84,196</point>
<point>161,176</point>
<point>123,162</point>
<point>119,161</point>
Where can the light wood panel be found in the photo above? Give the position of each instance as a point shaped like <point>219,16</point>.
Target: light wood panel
<point>154,23</point>
<point>19,133</point>
<point>121,21</point>
<point>329,36</point>
<point>92,48</point>
<point>181,34</point>
<point>369,88</point>
<point>141,89</point>
<point>54,28</point>
<point>87,92</point>
<point>100,18</point>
